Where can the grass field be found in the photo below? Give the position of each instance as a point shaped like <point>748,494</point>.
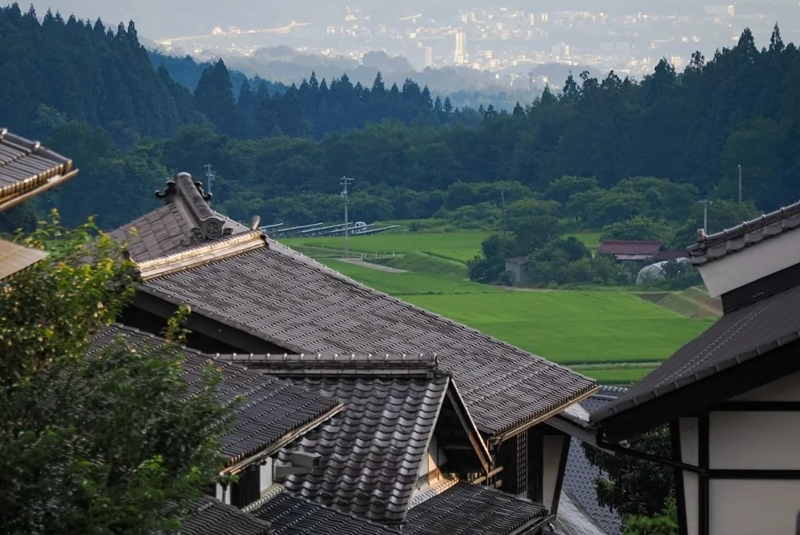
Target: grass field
<point>459,246</point>
<point>571,327</point>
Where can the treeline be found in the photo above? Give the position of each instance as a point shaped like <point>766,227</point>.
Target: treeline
<point>405,149</point>
<point>187,72</point>
<point>88,73</point>
<point>106,78</point>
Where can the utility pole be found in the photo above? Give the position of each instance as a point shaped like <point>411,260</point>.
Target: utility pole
<point>740,183</point>
<point>209,177</point>
<point>344,182</point>
<point>705,204</point>
<point>503,190</point>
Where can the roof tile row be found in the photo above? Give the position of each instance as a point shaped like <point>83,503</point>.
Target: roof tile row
<point>270,409</point>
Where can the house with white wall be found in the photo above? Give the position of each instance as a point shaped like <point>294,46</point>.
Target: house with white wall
<point>731,397</point>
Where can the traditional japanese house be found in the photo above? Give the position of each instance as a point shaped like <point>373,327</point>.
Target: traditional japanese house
<point>271,416</point>
<point>251,295</point>
<point>731,397</point>
<point>26,170</point>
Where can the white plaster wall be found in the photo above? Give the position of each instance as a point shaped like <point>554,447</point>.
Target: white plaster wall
<point>751,264</point>
<point>553,446</point>
<point>266,474</point>
<point>784,389</point>
<point>740,507</point>
<point>691,482</point>
<point>223,494</point>
<point>754,440</point>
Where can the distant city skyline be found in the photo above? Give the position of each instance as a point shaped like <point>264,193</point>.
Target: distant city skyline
<point>509,39</point>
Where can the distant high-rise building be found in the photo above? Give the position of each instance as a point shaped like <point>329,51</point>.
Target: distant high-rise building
<point>428,56</point>
<point>461,48</point>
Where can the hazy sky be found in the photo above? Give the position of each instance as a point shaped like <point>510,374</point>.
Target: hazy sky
<point>170,18</point>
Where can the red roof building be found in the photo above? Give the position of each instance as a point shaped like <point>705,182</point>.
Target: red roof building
<point>629,250</point>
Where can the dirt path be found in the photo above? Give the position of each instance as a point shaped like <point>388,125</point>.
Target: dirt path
<point>377,267</point>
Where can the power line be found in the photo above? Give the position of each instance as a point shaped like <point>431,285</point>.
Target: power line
<point>344,182</point>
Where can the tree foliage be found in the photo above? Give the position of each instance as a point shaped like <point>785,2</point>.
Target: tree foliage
<point>635,486</point>
<point>96,442</point>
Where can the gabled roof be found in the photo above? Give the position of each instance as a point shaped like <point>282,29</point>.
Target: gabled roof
<point>14,258</point>
<point>283,298</point>
<point>183,222</point>
<point>292,515</point>
<point>474,510</point>
<point>28,169</point>
<point>629,248</point>
<point>749,233</point>
<point>372,452</point>
<point>272,413</point>
<point>740,349</point>
<point>463,509</point>
<point>216,518</point>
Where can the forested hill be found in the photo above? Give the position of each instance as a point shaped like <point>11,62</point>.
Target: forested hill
<point>187,72</point>
<point>87,73</point>
<point>739,107</point>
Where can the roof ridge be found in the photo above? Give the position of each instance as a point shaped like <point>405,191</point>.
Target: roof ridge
<point>788,217</point>
<point>202,254</point>
<point>334,364</point>
<point>353,282</point>
<point>206,223</point>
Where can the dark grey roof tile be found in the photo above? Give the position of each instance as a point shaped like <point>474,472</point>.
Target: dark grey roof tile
<point>293,515</point>
<point>738,336</point>
<point>27,169</point>
<point>270,410</point>
<point>216,518</point>
<point>314,309</point>
<point>748,234</point>
<point>466,509</point>
<point>185,221</point>
<point>371,452</point>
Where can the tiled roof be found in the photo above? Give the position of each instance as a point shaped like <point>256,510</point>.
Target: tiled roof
<point>185,221</point>
<point>738,336</point>
<point>14,258</point>
<point>216,518</point>
<point>460,510</point>
<point>289,300</point>
<point>473,510</point>
<point>579,479</point>
<point>293,515</point>
<point>749,233</point>
<point>629,248</point>
<point>271,409</point>
<point>27,169</point>
<point>573,520</point>
<point>352,364</point>
<point>371,452</point>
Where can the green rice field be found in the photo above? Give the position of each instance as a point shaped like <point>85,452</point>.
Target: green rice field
<point>613,336</point>
<point>459,246</point>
